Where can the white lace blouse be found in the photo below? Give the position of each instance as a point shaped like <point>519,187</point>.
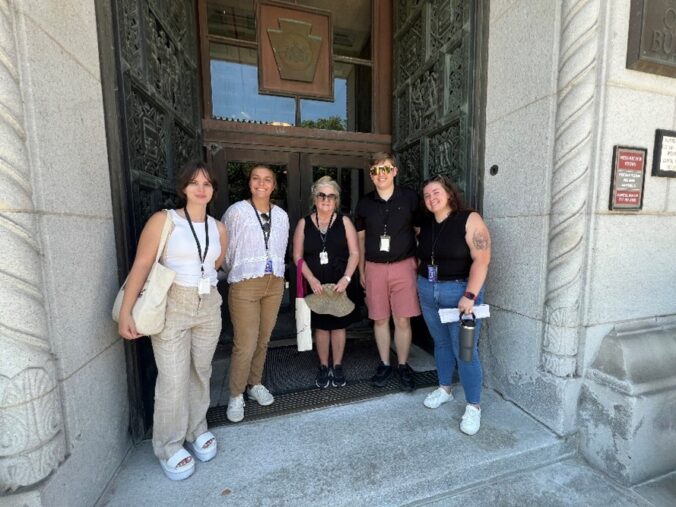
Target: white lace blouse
<point>246,256</point>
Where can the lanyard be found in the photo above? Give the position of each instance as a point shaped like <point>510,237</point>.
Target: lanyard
<point>325,235</point>
<point>266,234</point>
<point>437,236</point>
<point>386,217</point>
<point>206,233</point>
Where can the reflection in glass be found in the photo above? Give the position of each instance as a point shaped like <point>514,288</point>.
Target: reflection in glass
<point>351,25</point>
<point>234,70</point>
<point>234,88</point>
<point>351,109</point>
<point>232,18</point>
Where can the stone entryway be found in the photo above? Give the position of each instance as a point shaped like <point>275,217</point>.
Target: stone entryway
<point>390,451</point>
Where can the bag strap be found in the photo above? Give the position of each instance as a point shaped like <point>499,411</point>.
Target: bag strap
<point>168,226</point>
<point>300,286</point>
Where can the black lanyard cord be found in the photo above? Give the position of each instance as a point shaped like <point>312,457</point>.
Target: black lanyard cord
<point>206,234</point>
<point>324,235</point>
<point>266,234</point>
<point>437,236</point>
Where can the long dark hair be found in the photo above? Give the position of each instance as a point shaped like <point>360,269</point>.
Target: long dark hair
<point>456,201</point>
<point>188,172</point>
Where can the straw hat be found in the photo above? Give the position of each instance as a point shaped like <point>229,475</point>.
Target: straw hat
<point>330,302</point>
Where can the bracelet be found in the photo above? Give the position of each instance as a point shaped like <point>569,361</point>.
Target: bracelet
<point>348,278</point>
<point>470,295</point>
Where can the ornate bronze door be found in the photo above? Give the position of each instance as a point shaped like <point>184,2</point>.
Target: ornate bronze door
<point>159,130</point>
<point>437,65</point>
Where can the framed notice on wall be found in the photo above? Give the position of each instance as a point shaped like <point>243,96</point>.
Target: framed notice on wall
<point>664,155</point>
<point>627,178</point>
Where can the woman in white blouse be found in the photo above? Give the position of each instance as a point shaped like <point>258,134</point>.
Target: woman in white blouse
<point>258,234</point>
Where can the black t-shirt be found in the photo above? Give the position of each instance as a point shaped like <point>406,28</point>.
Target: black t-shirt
<point>400,213</point>
<point>451,253</point>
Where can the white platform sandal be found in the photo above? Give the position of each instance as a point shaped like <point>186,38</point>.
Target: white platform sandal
<point>172,469</point>
<point>198,449</point>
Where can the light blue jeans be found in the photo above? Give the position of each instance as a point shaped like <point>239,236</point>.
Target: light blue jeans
<point>447,336</point>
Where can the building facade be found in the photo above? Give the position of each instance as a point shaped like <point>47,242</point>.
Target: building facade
<point>522,102</point>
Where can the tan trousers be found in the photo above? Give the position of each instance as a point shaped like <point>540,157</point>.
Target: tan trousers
<point>183,353</point>
<point>254,305</point>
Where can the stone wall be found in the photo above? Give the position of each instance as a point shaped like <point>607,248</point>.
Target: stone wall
<point>66,145</point>
<point>628,348</point>
<point>566,271</point>
<point>523,98</point>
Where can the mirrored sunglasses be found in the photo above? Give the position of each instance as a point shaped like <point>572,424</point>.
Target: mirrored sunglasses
<point>381,169</point>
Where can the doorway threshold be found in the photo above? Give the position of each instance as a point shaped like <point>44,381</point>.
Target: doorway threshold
<point>313,399</point>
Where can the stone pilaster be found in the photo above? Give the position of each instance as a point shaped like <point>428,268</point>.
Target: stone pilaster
<point>32,442</point>
<point>573,154</point>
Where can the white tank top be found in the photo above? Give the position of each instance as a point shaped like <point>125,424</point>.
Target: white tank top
<point>181,253</point>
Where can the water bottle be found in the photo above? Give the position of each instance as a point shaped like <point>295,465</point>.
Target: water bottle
<point>467,327</point>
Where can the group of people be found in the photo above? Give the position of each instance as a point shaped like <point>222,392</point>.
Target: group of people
<point>409,262</point>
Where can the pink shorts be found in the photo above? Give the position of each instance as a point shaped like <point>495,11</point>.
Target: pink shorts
<point>391,289</point>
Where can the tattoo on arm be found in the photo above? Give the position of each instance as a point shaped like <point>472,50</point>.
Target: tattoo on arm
<point>480,240</point>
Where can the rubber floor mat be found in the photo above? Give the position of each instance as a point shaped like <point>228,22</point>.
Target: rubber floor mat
<point>290,376</point>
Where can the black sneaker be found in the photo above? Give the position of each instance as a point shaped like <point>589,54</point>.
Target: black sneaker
<point>405,374</point>
<point>338,376</point>
<point>383,374</point>
<point>323,379</point>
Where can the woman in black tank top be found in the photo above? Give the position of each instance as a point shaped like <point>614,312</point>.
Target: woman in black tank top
<point>327,242</point>
<point>453,253</point>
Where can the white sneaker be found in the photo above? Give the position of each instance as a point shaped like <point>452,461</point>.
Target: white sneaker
<point>235,412</point>
<point>471,420</point>
<point>437,398</point>
<point>260,393</point>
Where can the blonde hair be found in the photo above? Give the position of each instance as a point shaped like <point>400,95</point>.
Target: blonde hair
<point>324,181</point>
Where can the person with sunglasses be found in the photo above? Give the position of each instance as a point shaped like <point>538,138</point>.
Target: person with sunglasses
<point>259,233</point>
<point>326,240</point>
<point>454,250</point>
<point>386,220</point>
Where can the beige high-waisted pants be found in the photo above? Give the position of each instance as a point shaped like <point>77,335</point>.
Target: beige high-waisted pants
<point>254,305</point>
<point>183,353</point>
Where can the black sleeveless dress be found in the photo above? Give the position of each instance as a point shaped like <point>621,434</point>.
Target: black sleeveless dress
<point>336,247</point>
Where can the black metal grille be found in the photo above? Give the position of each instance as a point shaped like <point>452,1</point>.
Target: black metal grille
<point>301,401</point>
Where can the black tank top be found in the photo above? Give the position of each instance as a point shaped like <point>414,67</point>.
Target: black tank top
<point>336,247</point>
<point>451,253</point>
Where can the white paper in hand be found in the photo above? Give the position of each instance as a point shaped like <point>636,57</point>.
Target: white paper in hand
<point>448,315</point>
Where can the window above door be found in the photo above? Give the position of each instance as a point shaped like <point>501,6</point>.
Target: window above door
<point>230,69</point>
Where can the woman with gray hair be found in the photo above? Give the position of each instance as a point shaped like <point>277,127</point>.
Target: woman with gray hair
<point>327,242</point>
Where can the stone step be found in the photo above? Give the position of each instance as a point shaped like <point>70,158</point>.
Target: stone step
<point>388,451</point>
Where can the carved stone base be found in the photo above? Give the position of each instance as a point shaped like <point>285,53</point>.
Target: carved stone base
<point>32,442</point>
<point>627,411</point>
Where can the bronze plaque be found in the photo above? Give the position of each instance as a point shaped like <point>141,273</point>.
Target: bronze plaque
<point>295,51</point>
<point>627,178</point>
<point>652,37</point>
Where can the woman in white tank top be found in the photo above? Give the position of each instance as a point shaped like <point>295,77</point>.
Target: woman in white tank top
<point>184,349</point>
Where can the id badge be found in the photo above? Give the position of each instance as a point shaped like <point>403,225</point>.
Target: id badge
<point>384,243</point>
<point>203,286</point>
<point>432,273</point>
<point>268,266</point>
<point>323,257</point>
